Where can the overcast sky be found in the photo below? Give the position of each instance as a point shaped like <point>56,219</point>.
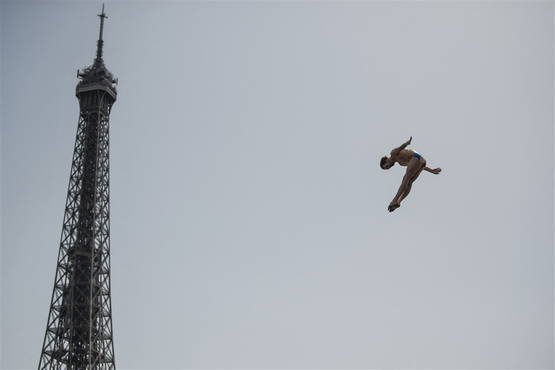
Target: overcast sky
<point>249,223</point>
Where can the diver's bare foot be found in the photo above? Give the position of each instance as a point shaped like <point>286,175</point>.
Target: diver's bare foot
<point>393,207</point>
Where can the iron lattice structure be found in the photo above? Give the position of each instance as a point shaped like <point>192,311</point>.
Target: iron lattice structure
<point>79,331</point>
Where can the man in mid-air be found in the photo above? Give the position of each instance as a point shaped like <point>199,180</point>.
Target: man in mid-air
<point>414,162</point>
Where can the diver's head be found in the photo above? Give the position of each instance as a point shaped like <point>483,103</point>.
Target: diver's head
<point>385,163</point>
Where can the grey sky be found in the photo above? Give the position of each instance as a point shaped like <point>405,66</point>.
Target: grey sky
<point>249,214</point>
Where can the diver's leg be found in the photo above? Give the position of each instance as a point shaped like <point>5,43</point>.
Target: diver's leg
<point>422,165</point>
<point>408,188</point>
<point>405,193</point>
<point>413,171</point>
<point>395,202</point>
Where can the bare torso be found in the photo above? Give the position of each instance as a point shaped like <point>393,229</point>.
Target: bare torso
<point>403,157</point>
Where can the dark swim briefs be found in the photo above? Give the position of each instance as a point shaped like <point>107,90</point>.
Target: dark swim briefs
<point>416,155</point>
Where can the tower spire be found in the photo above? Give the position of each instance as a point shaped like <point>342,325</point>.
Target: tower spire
<point>97,72</point>
<point>100,42</point>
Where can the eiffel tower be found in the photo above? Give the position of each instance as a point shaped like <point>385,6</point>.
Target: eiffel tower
<point>79,331</point>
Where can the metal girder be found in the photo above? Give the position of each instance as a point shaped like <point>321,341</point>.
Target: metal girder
<point>79,331</point>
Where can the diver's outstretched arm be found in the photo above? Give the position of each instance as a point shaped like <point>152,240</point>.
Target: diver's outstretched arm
<point>435,171</point>
<point>403,146</point>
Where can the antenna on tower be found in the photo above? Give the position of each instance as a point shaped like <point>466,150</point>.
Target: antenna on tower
<point>100,42</point>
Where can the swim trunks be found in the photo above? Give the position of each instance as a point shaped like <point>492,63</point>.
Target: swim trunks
<point>416,155</point>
